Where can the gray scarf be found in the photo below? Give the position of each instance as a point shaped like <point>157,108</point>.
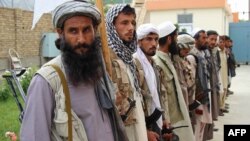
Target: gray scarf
<point>124,52</point>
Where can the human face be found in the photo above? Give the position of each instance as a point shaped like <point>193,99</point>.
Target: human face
<point>78,32</point>
<point>202,41</point>
<point>222,44</point>
<point>125,26</point>
<point>184,52</point>
<point>149,44</point>
<point>227,43</point>
<point>211,40</point>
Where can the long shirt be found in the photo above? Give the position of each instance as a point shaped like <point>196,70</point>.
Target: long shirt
<point>39,112</point>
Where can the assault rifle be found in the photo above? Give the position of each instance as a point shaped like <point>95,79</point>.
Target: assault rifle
<point>199,99</point>
<point>170,130</point>
<point>132,104</point>
<point>150,120</point>
<point>16,88</point>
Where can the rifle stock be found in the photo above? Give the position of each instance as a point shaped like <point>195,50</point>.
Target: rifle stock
<point>170,130</point>
<point>150,120</point>
<point>130,109</point>
<point>199,99</point>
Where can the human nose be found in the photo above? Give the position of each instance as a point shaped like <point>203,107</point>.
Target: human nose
<point>154,43</point>
<point>81,38</point>
<point>131,27</point>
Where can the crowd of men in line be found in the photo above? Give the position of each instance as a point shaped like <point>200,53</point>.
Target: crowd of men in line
<point>165,86</point>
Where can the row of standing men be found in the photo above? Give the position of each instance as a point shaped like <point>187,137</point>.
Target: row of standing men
<point>179,78</point>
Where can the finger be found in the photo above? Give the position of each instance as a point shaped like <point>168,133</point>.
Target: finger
<point>156,135</point>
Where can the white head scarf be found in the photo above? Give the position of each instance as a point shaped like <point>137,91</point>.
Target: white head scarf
<point>142,32</point>
<point>144,29</point>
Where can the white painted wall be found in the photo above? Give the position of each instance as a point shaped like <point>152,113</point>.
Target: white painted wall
<point>208,19</point>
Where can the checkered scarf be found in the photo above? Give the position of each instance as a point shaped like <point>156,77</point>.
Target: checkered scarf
<point>123,51</point>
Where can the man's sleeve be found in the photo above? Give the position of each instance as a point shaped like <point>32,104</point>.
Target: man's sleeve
<point>193,63</point>
<point>36,124</point>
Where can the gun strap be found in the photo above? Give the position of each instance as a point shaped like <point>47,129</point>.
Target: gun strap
<point>67,99</point>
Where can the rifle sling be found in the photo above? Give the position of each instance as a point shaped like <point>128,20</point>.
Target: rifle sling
<point>67,99</point>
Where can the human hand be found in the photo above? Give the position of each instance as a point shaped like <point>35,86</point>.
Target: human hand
<point>152,136</point>
<point>166,124</point>
<point>167,136</point>
<point>11,135</point>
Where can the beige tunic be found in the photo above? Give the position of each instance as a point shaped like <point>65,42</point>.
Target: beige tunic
<point>177,108</point>
<point>123,80</point>
<point>224,68</point>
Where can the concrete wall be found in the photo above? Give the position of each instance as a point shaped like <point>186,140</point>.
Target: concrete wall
<point>216,19</point>
<point>15,32</point>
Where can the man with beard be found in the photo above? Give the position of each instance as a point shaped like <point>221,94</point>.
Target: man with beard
<point>231,62</point>
<point>183,68</point>
<point>120,23</point>
<point>171,90</point>
<point>224,74</point>
<point>214,73</point>
<point>92,115</point>
<point>199,61</point>
<point>149,76</point>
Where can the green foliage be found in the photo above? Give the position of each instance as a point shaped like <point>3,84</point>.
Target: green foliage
<point>9,114</point>
<point>26,78</point>
<point>4,90</point>
<point>177,26</point>
<point>184,30</point>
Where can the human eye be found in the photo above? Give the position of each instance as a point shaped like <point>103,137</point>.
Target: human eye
<point>149,38</point>
<point>134,23</point>
<point>87,29</point>
<point>124,22</point>
<point>73,30</point>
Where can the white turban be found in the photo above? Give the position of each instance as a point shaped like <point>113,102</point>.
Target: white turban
<point>75,8</point>
<point>144,29</point>
<point>166,28</point>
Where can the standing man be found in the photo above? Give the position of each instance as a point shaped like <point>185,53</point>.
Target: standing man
<point>94,116</point>
<point>120,23</point>
<point>224,74</point>
<point>198,59</point>
<point>184,44</point>
<point>231,62</point>
<point>177,108</point>
<point>214,61</point>
<point>184,71</point>
<point>149,76</point>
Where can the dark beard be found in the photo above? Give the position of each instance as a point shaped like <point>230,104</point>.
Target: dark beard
<point>173,47</point>
<point>147,53</point>
<point>204,47</point>
<point>82,68</point>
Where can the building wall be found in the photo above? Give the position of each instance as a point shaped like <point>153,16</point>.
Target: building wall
<point>16,33</point>
<point>216,18</point>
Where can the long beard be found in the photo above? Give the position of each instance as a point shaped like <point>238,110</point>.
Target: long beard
<point>203,47</point>
<point>173,47</point>
<point>84,67</point>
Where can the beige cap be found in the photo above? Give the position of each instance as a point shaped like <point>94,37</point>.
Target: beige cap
<point>185,41</point>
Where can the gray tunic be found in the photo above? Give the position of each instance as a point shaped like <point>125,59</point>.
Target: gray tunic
<point>38,116</point>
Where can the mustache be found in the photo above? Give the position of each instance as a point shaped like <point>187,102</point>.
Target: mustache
<point>153,47</point>
<point>86,46</point>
